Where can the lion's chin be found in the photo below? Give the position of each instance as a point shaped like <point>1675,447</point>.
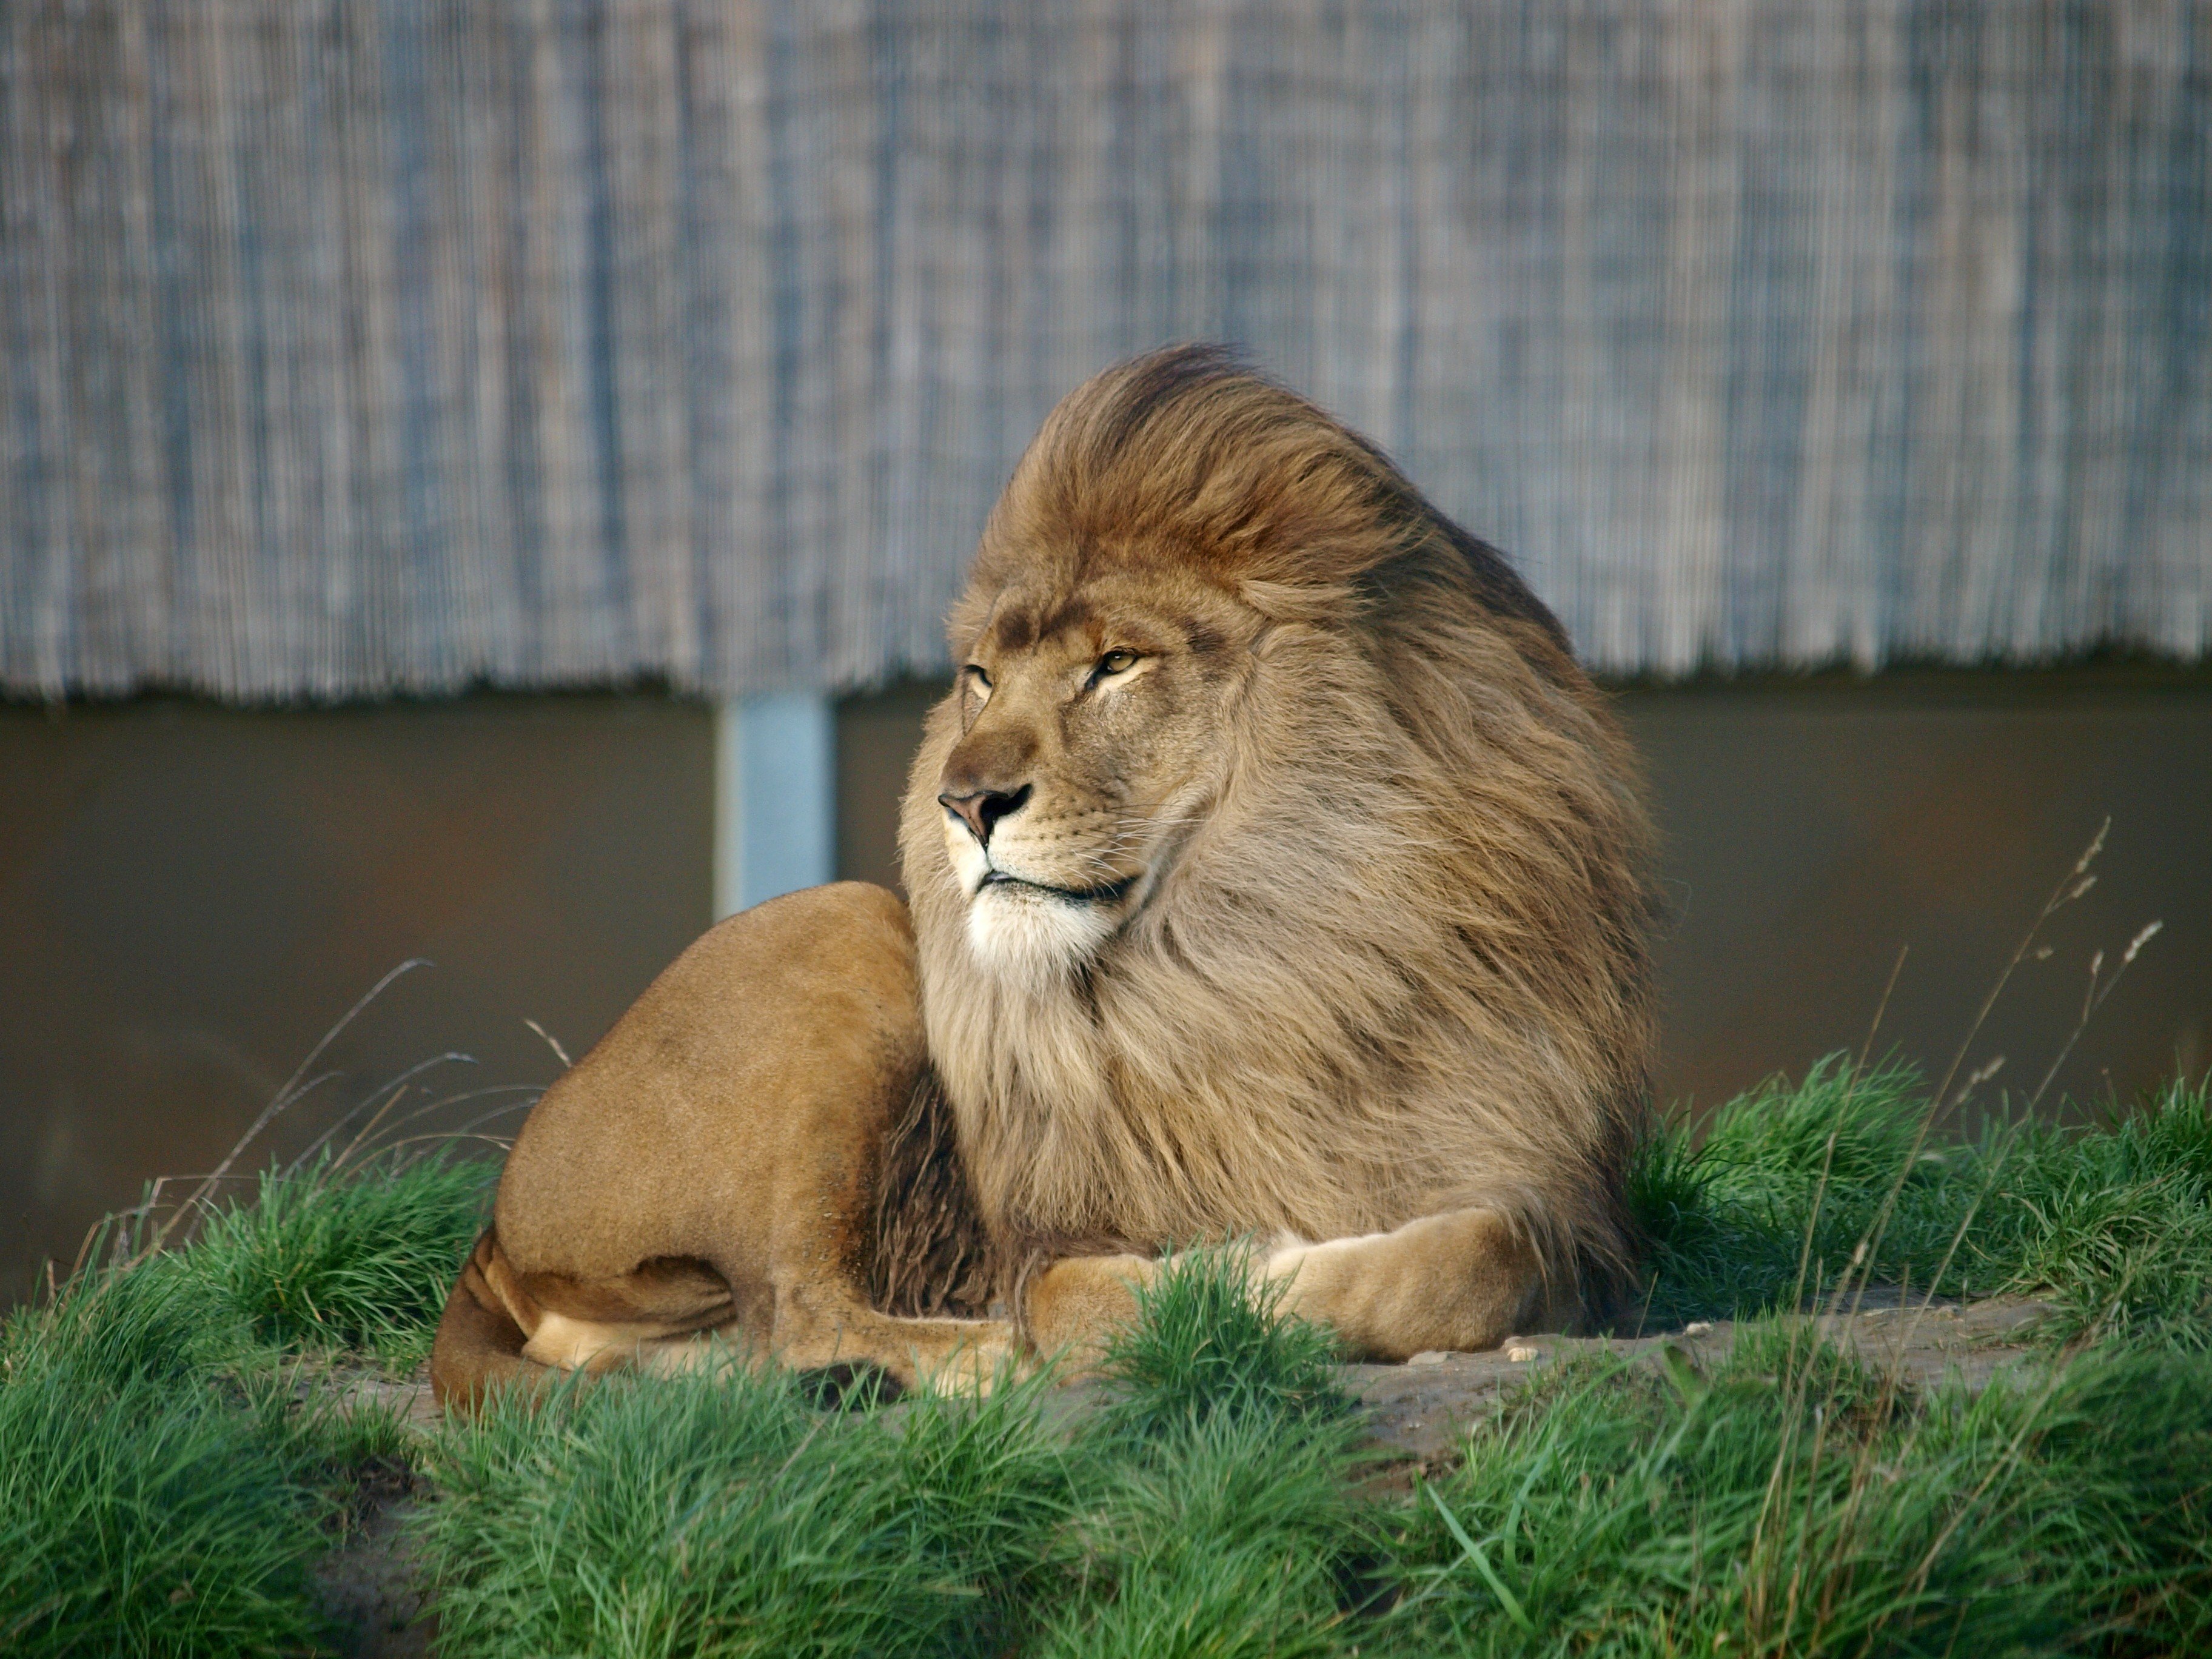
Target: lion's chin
<point>1033,936</point>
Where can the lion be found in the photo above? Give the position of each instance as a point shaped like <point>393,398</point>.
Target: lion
<point>1277,879</point>
<point>1278,876</point>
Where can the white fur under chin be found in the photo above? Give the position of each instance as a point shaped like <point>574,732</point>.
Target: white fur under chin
<point>1027,937</point>
<point>1033,937</point>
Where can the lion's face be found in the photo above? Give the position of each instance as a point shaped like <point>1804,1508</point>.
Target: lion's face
<point>1093,712</point>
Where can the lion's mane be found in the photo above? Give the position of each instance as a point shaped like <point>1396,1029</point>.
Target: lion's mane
<point>1403,967</point>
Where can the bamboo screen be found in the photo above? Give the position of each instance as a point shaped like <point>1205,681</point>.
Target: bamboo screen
<point>354,346</point>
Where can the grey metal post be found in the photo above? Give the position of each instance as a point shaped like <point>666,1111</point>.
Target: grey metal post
<point>775,797</point>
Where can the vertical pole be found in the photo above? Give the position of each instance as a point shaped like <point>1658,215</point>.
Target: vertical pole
<point>775,797</point>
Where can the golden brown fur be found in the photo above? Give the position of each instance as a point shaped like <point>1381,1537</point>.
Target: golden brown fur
<point>1349,926</point>
<point>710,1169</point>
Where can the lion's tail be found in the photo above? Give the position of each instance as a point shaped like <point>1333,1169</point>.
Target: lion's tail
<point>478,1349</point>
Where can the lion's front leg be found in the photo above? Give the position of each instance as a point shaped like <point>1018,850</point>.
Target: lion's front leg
<point>1073,1308</point>
<point>1461,1282</point>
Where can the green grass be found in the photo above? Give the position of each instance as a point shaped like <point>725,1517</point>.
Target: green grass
<point>1785,1505</point>
<point>720,1513</point>
<point>149,1504</point>
<point>2114,1222</point>
<point>168,1475</point>
<point>360,1261</point>
<point>165,1479</point>
<point>1212,1513</point>
<point>2115,1225</point>
<point>1211,1341</point>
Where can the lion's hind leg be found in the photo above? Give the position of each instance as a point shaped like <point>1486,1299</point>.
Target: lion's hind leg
<point>502,1328</point>
<point>814,1332</point>
<point>597,1324</point>
<point>480,1344</point>
<point>819,1327</point>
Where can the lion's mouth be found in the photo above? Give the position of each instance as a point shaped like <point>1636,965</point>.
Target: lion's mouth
<point>1106,893</point>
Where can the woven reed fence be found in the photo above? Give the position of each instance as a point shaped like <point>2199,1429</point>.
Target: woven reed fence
<point>354,346</point>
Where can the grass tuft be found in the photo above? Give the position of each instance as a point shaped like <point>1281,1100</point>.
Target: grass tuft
<point>165,1478</point>
<point>2113,1223</point>
<point>359,1261</point>
<point>1785,1183</point>
<point>158,1323</point>
<point>717,1513</point>
<point>1211,1339</point>
<point>148,1504</point>
<point>1231,1537</point>
<point>1216,1518</point>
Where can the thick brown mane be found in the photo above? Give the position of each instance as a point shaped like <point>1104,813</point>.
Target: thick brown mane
<point>1397,964</point>
<point>1186,449</point>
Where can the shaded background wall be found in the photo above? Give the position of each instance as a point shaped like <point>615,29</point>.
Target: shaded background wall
<point>191,897</point>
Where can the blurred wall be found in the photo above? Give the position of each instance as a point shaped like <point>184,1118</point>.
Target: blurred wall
<point>1815,827</point>
<point>191,897</point>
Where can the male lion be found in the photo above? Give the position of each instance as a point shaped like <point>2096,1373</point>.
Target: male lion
<point>1276,876</point>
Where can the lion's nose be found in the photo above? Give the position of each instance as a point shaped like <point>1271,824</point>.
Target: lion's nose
<point>983,809</point>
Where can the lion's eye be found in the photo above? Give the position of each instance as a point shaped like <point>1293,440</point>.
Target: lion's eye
<point>975,672</point>
<point>1117,662</point>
